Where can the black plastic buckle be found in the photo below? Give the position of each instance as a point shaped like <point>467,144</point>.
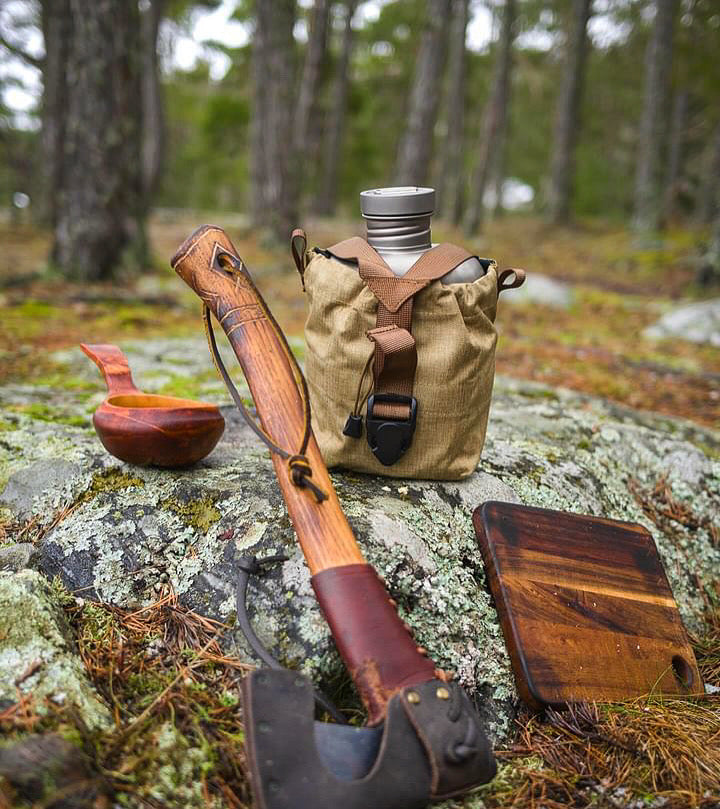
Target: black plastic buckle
<point>390,439</point>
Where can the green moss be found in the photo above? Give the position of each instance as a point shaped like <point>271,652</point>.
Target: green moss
<point>190,387</point>
<point>35,309</point>
<point>112,480</point>
<point>540,393</point>
<point>712,452</point>
<point>148,683</point>
<point>97,621</point>
<point>200,513</point>
<point>44,412</point>
<point>60,594</point>
<point>60,379</point>
<point>70,734</point>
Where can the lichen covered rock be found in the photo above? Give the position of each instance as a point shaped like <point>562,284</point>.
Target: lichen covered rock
<point>125,534</point>
<point>37,657</point>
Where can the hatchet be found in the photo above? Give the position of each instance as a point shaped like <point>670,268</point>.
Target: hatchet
<point>423,740</point>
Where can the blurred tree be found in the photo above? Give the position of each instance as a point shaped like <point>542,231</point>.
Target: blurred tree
<point>99,208</point>
<point>307,103</point>
<point>57,33</point>
<point>326,199</point>
<point>275,191</point>
<point>647,214</point>
<point>567,116</point>
<point>153,111</point>
<point>676,138</point>
<point>415,150</point>
<point>494,119</point>
<point>450,183</point>
<point>710,188</point>
<point>709,269</point>
<point>208,139</point>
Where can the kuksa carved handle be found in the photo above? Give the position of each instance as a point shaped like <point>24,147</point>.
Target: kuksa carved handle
<point>378,649</point>
<point>114,366</point>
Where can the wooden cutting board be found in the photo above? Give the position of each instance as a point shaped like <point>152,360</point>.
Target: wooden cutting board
<point>585,607</point>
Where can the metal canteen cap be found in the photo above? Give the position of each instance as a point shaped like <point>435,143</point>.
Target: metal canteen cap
<point>405,200</point>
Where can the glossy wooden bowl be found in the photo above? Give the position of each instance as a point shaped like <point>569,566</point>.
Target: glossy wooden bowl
<point>146,429</point>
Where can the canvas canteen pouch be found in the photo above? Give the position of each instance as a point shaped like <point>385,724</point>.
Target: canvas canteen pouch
<point>422,353</point>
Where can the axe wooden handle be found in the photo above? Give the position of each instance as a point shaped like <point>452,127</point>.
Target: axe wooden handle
<point>378,649</point>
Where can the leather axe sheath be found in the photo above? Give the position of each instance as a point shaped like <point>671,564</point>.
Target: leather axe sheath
<point>424,740</point>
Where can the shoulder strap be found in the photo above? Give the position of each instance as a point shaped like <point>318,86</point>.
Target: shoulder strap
<point>391,290</point>
<point>439,261</point>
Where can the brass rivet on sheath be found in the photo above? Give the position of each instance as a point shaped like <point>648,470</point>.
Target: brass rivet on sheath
<point>413,697</point>
<point>442,693</point>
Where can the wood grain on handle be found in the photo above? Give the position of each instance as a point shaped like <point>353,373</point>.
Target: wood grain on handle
<point>322,529</point>
<point>114,366</point>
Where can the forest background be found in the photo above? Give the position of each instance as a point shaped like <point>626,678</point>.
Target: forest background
<point>578,138</point>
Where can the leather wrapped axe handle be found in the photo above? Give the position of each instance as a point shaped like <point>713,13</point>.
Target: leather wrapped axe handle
<point>377,648</point>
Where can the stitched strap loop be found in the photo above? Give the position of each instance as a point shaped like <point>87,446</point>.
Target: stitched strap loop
<point>518,279</point>
<point>298,248</point>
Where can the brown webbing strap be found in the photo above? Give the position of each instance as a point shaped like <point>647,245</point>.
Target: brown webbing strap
<point>512,278</point>
<point>298,247</point>
<point>395,350</point>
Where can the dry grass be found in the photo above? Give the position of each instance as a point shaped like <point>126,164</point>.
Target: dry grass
<point>664,509</point>
<point>614,755</point>
<point>159,665</point>
<point>165,664</point>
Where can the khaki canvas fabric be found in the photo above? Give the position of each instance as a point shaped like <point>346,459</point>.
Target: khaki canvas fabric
<point>453,326</point>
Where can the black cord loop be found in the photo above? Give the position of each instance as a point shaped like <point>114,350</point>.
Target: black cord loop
<point>252,566</point>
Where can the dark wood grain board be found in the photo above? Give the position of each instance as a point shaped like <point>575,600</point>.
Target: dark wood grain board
<point>585,607</point>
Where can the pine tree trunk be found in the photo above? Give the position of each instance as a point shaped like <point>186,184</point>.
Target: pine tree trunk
<point>710,187</point>
<point>708,272</point>
<point>274,181</point>
<point>153,133</point>
<point>99,215</point>
<point>494,118</point>
<point>415,149</point>
<point>567,119</point>
<point>498,169</point>
<point>327,194</point>
<point>258,124</point>
<point>450,186</point>
<point>675,152</point>
<point>311,75</point>
<point>648,178</point>
<point>57,32</point>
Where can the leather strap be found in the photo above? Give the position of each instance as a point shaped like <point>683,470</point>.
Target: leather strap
<point>298,248</point>
<point>300,470</point>
<point>395,357</point>
<point>516,275</point>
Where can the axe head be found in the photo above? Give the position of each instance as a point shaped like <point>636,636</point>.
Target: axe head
<point>430,747</point>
